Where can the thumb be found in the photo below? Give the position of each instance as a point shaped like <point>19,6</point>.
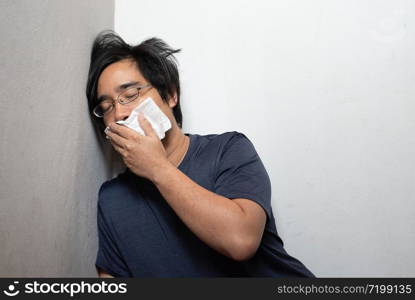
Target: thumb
<point>146,125</point>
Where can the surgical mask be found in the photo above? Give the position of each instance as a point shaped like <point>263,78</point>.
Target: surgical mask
<point>158,120</point>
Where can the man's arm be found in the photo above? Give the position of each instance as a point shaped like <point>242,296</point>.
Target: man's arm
<point>103,274</point>
<point>231,227</point>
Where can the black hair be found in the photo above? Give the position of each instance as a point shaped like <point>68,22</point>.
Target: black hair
<point>154,59</point>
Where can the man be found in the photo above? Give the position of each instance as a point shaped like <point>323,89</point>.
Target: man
<point>188,205</point>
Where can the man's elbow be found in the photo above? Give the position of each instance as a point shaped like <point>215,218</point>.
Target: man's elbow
<point>244,249</point>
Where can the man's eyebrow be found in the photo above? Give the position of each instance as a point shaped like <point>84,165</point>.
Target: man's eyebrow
<point>120,88</point>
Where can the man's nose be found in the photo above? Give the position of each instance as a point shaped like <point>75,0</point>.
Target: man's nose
<point>121,112</point>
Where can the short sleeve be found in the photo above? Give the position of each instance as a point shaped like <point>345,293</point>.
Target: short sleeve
<point>241,173</point>
<point>108,257</point>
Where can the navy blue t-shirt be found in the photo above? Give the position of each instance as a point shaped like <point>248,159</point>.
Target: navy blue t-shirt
<point>140,235</point>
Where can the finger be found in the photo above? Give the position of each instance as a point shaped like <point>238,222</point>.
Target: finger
<point>118,149</point>
<point>121,130</point>
<point>115,138</point>
<point>146,125</point>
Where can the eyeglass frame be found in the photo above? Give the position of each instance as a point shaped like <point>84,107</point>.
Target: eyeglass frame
<point>139,87</point>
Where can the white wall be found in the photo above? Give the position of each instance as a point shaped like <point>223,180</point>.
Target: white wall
<point>325,91</point>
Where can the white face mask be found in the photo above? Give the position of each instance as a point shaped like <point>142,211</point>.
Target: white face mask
<point>153,114</point>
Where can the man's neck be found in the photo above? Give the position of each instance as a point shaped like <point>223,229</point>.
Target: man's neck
<point>176,145</point>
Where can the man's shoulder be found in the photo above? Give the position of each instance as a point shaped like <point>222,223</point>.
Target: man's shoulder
<point>112,190</point>
<point>114,182</point>
<point>220,138</point>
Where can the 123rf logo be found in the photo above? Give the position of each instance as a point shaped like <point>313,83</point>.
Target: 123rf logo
<point>70,289</point>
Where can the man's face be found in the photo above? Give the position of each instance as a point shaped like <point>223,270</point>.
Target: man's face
<point>122,72</point>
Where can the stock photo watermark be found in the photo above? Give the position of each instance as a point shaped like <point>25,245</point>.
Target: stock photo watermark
<point>70,289</point>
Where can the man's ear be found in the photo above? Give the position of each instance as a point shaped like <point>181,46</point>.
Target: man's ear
<point>173,100</point>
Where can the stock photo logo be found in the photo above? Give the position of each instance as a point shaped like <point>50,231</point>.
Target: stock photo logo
<point>11,289</point>
<point>71,289</point>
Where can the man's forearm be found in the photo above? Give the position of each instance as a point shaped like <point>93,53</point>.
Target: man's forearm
<point>215,219</point>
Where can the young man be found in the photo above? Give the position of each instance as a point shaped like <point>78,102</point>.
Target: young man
<point>188,205</point>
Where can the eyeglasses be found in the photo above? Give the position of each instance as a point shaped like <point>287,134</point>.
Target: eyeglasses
<point>127,96</point>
